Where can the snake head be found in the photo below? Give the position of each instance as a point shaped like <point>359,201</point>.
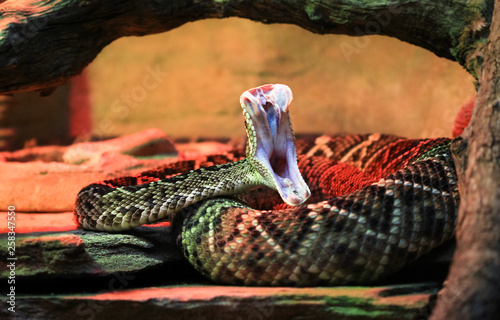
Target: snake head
<point>271,141</point>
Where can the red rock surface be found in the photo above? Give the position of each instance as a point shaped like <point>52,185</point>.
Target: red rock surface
<point>46,222</point>
<point>47,179</point>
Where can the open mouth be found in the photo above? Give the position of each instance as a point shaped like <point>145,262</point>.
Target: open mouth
<point>271,145</point>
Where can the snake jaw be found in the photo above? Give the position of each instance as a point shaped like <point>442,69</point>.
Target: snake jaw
<point>271,141</point>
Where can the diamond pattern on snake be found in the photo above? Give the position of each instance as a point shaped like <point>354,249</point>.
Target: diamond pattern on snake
<point>335,210</point>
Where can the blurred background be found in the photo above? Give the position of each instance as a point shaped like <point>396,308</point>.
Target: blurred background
<point>187,82</point>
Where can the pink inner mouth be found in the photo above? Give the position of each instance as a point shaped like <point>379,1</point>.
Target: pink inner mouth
<point>275,154</point>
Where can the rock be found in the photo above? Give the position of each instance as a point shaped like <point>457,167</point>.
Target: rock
<point>41,180</point>
<point>221,302</point>
<point>79,253</point>
<point>144,143</point>
<point>194,150</point>
<point>52,186</point>
<point>37,223</point>
<point>62,254</point>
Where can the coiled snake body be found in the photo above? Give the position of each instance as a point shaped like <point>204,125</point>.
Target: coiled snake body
<point>389,201</point>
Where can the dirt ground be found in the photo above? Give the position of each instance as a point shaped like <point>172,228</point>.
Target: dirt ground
<point>187,82</point>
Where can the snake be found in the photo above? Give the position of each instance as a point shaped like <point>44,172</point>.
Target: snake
<point>347,209</point>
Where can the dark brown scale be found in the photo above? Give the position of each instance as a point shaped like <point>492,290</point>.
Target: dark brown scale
<point>255,233</point>
<point>221,243</point>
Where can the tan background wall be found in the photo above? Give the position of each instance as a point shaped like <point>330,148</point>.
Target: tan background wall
<point>187,82</point>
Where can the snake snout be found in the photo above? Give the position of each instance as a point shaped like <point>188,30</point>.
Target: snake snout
<point>287,178</point>
<point>293,194</point>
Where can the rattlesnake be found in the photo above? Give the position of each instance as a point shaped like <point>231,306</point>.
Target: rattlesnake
<point>389,200</point>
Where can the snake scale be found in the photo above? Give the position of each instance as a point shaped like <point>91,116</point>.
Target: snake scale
<point>388,201</point>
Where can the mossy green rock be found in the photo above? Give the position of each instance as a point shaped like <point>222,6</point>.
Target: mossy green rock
<point>80,253</point>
